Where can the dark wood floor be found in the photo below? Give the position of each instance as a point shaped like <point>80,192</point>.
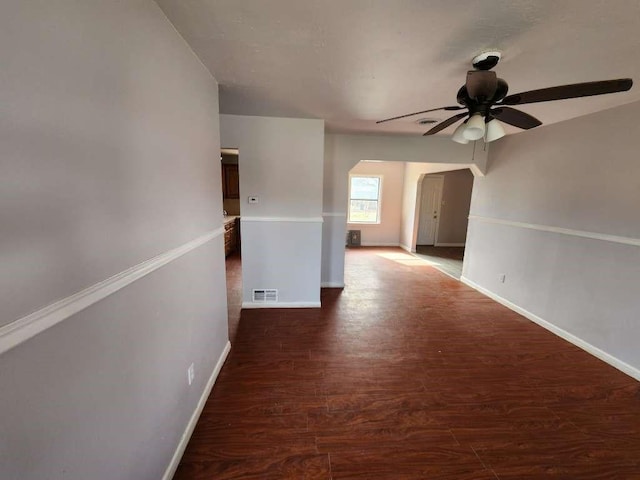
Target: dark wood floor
<point>454,253</point>
<point>409,374</point>
<point>234,292</point>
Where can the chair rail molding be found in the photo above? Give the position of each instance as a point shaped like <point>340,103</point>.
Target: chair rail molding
<point>563,231</point>
<point>30,325</point>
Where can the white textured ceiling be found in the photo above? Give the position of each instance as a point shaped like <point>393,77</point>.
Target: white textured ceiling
<point>352,62</point>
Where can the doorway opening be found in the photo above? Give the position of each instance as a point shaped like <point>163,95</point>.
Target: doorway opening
<point>443,216</point>
<point>230,177</point>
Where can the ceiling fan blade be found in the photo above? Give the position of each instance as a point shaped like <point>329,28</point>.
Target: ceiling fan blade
<point>563,92</point>
<point>444,124</point>
<point>481,84</point>
<point>515,117</point>
<point>418,113</point>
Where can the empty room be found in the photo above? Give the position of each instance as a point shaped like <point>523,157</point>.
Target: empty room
<point>319,240</point>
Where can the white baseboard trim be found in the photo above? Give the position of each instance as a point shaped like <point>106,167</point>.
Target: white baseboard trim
<point>186,435</point>
<point>282,219</point>
<point>31,325</point>
<point>380,244</point>
<point>449,245</point>
<point>569,337</point>
<point>331,285</point>
<point>281,305</point>
<point>406,248</point>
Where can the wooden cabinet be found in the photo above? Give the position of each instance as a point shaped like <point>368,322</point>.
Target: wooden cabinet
<point>231,236</point>
<point>230,181</point>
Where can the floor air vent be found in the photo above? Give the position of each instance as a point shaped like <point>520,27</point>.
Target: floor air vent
<point>265,295</point>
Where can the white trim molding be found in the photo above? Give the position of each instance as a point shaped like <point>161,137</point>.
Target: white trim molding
<point>334,214</point>
<point>437,244</point>
<point>186,435</point>
<point>281,305</point>
<point>331,284</point>
<point>31,325</point>
<point>380,244</point>
<point>282,219</point>
<point>563,231</point>
<point>569,337</point>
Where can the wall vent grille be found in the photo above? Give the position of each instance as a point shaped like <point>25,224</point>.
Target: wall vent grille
<point>353,238</point>
<point>265,295</point>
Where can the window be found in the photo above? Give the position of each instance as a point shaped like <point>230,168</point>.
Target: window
<point>364,199</point>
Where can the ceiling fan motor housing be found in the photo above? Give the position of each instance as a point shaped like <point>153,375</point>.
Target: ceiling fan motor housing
<point>482,104</point>
<point>486,60</point>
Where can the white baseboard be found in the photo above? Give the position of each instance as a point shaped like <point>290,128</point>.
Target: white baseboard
<point>186,436</point>
<point>569,337</point>
<point>406,248</point>
<point>331,285</point>
<point>380,244</point>
<point>449,244</point>
<point>282,219</point>
<point>281,305</point>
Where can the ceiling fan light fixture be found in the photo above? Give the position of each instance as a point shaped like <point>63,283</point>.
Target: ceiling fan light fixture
<point>475,127</point>
<point>458,134</point>
<point>494,131</point>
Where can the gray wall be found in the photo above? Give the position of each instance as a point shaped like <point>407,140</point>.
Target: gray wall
<point>558,214</point>
<point>109,152</point>
<point>280,162</point>
<point>454,214</point>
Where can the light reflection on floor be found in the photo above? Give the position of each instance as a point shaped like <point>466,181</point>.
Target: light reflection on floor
<point>449,266</point>
<point>408,259</point>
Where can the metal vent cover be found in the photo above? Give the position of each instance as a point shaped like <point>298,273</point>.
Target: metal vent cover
<point>265,295</point>
<point>353,238</point>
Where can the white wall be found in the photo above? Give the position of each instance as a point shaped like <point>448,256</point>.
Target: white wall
<point>109,155</point>
<point>546,192</point>
<point>387,232</point>
<point>343,152</point>
<point>280,161</point>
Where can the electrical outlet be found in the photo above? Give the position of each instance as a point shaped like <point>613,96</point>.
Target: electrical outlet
<point>190,374</point>
<point>502,277</point>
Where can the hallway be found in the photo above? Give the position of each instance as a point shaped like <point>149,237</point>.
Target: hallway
<point>409,374</point>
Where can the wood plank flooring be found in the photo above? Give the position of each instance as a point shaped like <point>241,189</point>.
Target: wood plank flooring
<point>409,374</point>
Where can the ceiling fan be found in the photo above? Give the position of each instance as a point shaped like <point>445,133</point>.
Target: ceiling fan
<point>486,104</point>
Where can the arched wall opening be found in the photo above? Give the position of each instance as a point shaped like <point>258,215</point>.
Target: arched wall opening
<point>419,156</point>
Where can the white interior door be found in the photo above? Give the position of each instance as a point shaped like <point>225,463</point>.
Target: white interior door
<point>430,203</point>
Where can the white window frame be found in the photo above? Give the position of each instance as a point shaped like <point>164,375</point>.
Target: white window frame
<point>379,216</point>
